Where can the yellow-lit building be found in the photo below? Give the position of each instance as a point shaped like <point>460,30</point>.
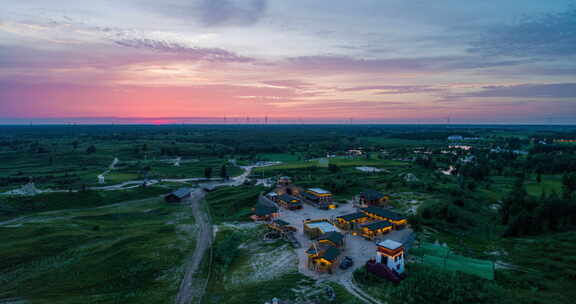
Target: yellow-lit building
<point>374,229</point>
<point>322,258</point>
<point>351,221</point>
<point>320,198</point>
<point>398,221</point>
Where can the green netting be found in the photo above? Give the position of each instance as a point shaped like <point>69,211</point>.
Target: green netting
<point>429,249</point>
<point>439,256</point>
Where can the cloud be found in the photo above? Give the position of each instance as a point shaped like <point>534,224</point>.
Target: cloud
<point>288,83</point>
<point>556,90</point>
<point>229,12</point>
<point>212,13</point>
<point>394,89</point>
<point>540,35</point>
<point>332,63</point>
<point>208,54</point>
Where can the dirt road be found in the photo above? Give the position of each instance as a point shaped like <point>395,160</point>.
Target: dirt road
<point>191,289</point>
<point>348,283</point>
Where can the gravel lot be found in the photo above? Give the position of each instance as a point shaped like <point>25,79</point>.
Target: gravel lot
<point>359,249</point>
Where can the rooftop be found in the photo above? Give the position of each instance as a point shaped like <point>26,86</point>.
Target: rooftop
<point>353,216</point>
<point>384,213</point>
<point>333,236</point>
<point>377,225</point>
<point>319,190</point>
<point>182,192</point>
<point>323,226</point>
<point>390,244</point>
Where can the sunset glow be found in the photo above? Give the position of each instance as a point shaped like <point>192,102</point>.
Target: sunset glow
<point>226,61</point>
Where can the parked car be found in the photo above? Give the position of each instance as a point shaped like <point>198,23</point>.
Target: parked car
<point>346,263</point>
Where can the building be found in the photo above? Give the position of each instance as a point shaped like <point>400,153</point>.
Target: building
<point>391,254</point>
<point>315,228</point>
<point>264,211</point>
<point>319,197</point>
<point>377,213</point>
<point>372,198</point>
<point>288,201</point>
<point>322,258</point>
<point>351,221</point>
<point>284,181</point>
<point>281,226</point>
<point>455,138</point>
<point>374,229</point>
<point>332,238</point>
<point>178,195</point>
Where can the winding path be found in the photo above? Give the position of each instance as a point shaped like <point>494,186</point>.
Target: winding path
<point>348,283</point>
<point>189,289</point>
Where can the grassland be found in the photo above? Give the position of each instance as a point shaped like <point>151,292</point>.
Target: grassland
<point>233,203</point>
<point>131,252</point>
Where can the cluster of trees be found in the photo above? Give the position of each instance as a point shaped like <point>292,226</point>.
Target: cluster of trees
<point>431,285</point>
<point>226,250</point>
<point>526,215</point>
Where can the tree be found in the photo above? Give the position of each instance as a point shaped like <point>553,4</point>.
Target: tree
<point>224,172</point>
<point>208,172</point>
<point>568,185</point>
<point>333,168</point>
<point>91,149</point>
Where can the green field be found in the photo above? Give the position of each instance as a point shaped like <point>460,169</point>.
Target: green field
<point>283,157</point>
<point>233,203</point>
<point>123,253</point>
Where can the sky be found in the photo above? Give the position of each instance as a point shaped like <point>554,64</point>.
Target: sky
<point>251,61</point>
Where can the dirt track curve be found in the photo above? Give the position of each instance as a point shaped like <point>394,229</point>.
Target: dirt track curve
<point>191,289</point>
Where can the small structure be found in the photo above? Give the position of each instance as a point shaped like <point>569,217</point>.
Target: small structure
<point>288,201</point>
<point>322,258</point>
<point>455,138</point>
<point>316,228</point>
<point>320,198</point>
<point>351,221</point>
<point>377,213</point>
<point>284,181</point>
<point>265,211</point>
<point>372,198</point>
<point>391,254</point>
<point>371,230</point>
<point>178,195</point>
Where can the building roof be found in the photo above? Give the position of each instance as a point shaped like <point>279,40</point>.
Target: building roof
<point>372,195</point>
<point>353,216</point>
<point>332,236</point>
<point>288,198</point>
<point>263,210</point>
<point>377,225</point>
<point>384,213</point>
<point>331,253</point>
<point>281,223</point>
<point>319,190</point>
<point>323,226</point>
<point>390,244</point>
<point>181,193</point>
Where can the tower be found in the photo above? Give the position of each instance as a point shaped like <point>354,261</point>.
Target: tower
<point>391,253</point>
